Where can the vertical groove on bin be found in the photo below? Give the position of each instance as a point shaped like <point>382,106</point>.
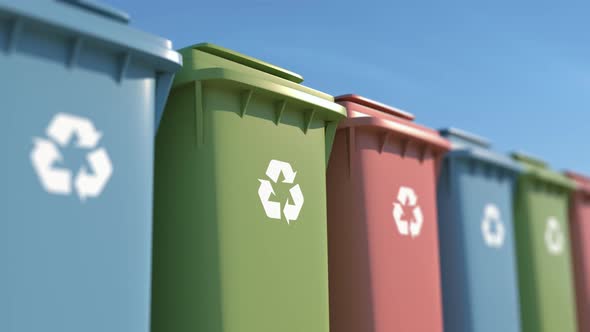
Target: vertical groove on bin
<point>75,51</point>
<point>198,113</point>
<point>123,65</point>
<point>279,109</point>
<point>351,150</point>
<point>384,140</point>
<point>246,98</point>
<point>14,35</point>
<point>308,119</point>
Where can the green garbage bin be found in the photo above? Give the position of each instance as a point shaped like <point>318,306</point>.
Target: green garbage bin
<point>543,247</point>
<point>240,239</point>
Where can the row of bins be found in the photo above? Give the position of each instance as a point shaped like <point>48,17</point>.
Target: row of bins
<point>262,205</point>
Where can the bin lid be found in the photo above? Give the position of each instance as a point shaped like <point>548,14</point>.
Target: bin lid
<point>221,64</point>
<point>96,21</point>
<point>468,145</point>
<point>248,61</point>
<point>582,181</point>
<point>539,169</point>
<point>376,105</point>
<point>397,121</point>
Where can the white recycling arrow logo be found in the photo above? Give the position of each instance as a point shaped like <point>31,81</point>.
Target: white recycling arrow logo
<point>407,197</point>
<point>554,238</point>
<point>492,228</point>
<point>61,181</point>
<point>265,191</point>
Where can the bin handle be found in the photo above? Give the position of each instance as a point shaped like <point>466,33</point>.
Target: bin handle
<point>231,75</point>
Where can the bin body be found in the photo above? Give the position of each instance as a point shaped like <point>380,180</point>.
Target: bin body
<point>478,263</point>
<point>580,238</point>
<point>241,147</point>
<point>383,240</point>
<point>544,256</point>
<point>77,139</point>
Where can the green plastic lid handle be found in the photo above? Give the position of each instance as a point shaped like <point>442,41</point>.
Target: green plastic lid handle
<point>526,158</point>
<point>100,9</point>
<point>245,60</point>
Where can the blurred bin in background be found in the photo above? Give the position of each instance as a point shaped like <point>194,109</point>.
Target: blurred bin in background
<point>580,237</point>
<point>478,263</point>
<point>382,221</point>
<point>240,198</point>
<point>547,298</point>
<point>81,94</point>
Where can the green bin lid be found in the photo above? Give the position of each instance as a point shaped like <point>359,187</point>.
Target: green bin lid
<point>539,169</point>
<point>248,61</point>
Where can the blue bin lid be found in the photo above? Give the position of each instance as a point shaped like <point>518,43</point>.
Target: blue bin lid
<point>470,146</point>
<point>89,19</point>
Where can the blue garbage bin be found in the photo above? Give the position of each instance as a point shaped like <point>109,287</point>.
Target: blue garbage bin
<point>479,271</point>
<point>80,97</point>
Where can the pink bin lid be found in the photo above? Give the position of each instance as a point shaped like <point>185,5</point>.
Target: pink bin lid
<point>582,182</point>
<point>399,122</point>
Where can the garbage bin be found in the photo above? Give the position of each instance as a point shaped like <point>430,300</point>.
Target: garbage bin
<point>543,248</point>
<point>580,238</point>
<point>81,94</point>
<point>240,199</point>
<point>478,263</point>
<point>382,221</point>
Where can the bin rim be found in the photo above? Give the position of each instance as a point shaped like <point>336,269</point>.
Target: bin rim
<point>423,134</point>
<point>333,110</point>
<point>353,98</point>
<point>536,168</point>
<point>107,26</point>
<point>487,156</point>
<point>582,181</point>
<point>247,61</point>
<point>477,148</point>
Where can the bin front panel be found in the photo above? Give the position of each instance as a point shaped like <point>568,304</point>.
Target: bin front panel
<point>243,268</point>
<point>387,277</point>
<point>545,269</point>
<point>75,255</point>
<point>480,271</point>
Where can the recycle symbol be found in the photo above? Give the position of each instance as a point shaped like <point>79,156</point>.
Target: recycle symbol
<point>271,208</point>
<point>61,181</point>
<point>492,227</point>
<point>554,239</point>
<point>407,197</point>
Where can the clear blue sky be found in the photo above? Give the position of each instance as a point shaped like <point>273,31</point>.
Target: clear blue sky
<point>517,74</point>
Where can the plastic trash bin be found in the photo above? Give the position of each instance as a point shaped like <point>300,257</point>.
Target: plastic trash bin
<point>547,300</point>
<point>81,93</point>
<point>580,238</point>
<point>240,198</point>
<point>382,221</point>
<point>478,262</point>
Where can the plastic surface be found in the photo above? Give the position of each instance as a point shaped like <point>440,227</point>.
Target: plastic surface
<point>382,224</point>
<point>543,244</point>
<point>235,142</point>
<point>80,93</point>
<point>580,237</point>
<point>478,254</point>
